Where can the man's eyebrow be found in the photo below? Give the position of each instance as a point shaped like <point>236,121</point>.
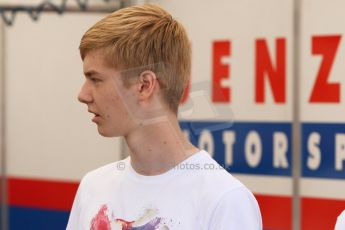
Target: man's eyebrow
<point>90,73</point>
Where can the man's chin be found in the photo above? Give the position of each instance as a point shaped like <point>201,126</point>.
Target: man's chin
<point>107,133</point>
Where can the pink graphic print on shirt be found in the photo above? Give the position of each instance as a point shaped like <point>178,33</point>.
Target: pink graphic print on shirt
<point>101,220</point>
<point>147,222</point>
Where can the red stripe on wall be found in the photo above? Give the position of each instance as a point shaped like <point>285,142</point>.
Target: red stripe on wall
<point>34,193</point>
<point>59,195</point>
<point>320,214</point>
<point>276,211</point>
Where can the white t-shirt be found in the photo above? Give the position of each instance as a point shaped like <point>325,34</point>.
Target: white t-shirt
<point>340,225</point>
<point>196,194</point>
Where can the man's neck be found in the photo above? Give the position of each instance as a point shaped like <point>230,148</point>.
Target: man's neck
<point>157,147</point>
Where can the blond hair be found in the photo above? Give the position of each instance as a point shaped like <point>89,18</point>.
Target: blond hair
<point>144,37</point>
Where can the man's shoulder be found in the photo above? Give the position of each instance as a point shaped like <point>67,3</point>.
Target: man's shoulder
<point>216,177</point>
<point>218,182</point>
<point>222,193</point>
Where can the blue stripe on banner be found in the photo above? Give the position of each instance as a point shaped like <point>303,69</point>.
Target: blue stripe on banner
<point>245,147</point>
<point>323,147</point>
<point>38,219</point>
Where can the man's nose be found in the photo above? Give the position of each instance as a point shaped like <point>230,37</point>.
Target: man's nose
<point>85,95</point>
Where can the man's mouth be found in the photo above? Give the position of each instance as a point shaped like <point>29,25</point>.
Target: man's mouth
<point>96,116</point>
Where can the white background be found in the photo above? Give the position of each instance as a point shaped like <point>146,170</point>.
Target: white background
<point>49,133</point>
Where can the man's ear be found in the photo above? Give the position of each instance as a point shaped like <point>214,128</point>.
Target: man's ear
<point>146,84</point>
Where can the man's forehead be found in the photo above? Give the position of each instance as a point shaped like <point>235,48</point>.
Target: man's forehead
<point>93,56</point>
<point>92,67</point>
<point>94,62</point>
<point>97,60</point>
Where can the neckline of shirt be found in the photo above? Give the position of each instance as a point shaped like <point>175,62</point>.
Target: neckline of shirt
<point>194,158</point>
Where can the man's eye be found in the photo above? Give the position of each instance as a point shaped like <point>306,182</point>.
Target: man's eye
<point>95,80</point>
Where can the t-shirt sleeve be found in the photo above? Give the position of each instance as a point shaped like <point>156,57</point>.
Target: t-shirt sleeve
<point>237,209</point>
<point>340,225</point>
<point>74,217</point>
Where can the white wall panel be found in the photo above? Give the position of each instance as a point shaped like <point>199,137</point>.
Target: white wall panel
<point>50,134</point>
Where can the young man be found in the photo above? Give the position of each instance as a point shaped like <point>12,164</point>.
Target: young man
<point>137,62</point>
